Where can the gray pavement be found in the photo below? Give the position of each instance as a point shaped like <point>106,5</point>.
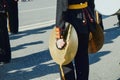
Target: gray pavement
<point>31,59</point>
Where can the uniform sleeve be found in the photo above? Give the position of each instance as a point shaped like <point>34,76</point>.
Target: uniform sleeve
<point>60,9</point>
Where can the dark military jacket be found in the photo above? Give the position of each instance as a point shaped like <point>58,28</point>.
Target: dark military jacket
<point>62,6</point>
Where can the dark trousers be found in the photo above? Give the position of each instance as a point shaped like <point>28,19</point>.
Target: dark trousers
<point>5,52</point>
<point>13,16</point>
<point>80,65</point>
<point>118,16</point>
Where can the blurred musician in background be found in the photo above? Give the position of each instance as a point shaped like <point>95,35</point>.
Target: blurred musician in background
<point>13,21</point>
<point>5,51</point>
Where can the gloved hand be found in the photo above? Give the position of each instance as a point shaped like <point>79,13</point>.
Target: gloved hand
<point>60,43</point>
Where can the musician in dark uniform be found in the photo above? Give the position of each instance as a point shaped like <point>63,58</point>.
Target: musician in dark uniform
<point>5,52</point>
<point>13,18</point>
<point>80,15</point>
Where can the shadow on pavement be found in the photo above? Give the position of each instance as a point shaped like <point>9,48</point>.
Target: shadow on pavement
<point>22,46</point>
<point>29,67</point>
<point>30,32</point>
<point>26,33</point>
<point>110,35</point>
<point>93,58</point>
<point>40,64</point>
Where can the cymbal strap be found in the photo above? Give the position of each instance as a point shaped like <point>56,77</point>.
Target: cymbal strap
<point>97,17</point>
<point>62,73</point>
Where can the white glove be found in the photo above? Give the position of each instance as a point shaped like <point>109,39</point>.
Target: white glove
<point>60,43</point>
